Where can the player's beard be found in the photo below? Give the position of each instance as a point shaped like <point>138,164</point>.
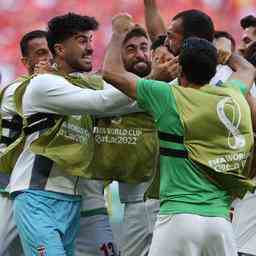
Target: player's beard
<point>139,68</point>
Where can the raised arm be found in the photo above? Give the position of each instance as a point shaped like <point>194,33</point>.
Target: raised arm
<point>113,69</point>
<point>154,22</point>
<point>243,70</point>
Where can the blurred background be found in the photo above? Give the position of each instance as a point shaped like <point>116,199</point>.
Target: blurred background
<point>18,17</point>
<point>21,16</point>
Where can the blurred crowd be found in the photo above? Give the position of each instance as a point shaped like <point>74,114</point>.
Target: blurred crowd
<point>21,16</point>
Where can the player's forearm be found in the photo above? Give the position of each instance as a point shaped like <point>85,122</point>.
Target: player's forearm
<point>113,69</point>
<point>154,21</point>
<point>112,61</point>
<point>244,71</point>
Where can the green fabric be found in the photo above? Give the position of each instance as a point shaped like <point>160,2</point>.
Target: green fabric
<point>126,148</point>
<point>184,188</point>
<point>10,155</point>
<point>237,84</point>
<point>69,143</point>
<point>218,134</point>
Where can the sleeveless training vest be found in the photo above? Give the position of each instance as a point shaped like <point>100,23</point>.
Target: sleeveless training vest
<point>14,141</point>
<point>126,148</point>
<point>218,136</point>
<point>66,140</point>
<point>123,149</point>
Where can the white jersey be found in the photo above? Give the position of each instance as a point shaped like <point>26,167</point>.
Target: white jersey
<point>223,72</point>
<point>222,75</point>
<point>50,93</point>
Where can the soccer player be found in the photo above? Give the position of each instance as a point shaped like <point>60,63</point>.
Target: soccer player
<point>244,210</point>
<point>183,25</point>
<point>191,191</point>
<point>34,49</point>
<point>47,201</point>
<point>139,215</point>
<point>248,24</point>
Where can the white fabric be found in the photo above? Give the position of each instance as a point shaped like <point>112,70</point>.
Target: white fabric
<point>223,72</point>
<point>7,108</point>
<point>222,75</point>
<point>95,236</point>
<point>10,244</point>
<point>244,223</point>
<point>137,228</point>
<point>130,193</point>
<point>193,235</point>
<point>53,94</point>
<point>92,192</point>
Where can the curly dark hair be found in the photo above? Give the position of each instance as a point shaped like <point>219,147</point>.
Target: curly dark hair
<point>61,28</point>
<point>248,21</point>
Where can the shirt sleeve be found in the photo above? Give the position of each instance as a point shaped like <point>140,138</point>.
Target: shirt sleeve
<point>222,75</point>
<point>153,96</point>
<point>54,94</point>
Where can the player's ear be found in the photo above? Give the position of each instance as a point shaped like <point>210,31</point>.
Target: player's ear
<point>59,50</point>
<point>25,62</point>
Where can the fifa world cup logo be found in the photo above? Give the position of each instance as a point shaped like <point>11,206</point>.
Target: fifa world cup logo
<point>229,113</point>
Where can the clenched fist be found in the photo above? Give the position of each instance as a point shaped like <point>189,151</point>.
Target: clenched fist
<point>122,23</point>
<point>224,47</point>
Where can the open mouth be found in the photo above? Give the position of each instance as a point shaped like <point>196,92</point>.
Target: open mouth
<point>140,64</point>
<point>87,58</point>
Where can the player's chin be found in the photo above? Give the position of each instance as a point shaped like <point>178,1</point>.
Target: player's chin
<point>86,67</point>
<point>142,70</point>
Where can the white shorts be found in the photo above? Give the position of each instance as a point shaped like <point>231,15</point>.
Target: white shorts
<point>10,244</point>
<point>192,235</point>
<point>244,224</point>
<point>95,237</point>
<point>138,225</point>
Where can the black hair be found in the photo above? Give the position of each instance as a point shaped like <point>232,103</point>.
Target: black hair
<point>221,33</point>
<point>61,28</point>
<point>160,41</point>
<point>28,37</point>
<point>137,31</point>
<point>196,23</point>
<point>248,21</point>
<point>198,59</point>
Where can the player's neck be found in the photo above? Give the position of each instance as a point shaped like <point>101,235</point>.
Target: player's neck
<point>63,67</point>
